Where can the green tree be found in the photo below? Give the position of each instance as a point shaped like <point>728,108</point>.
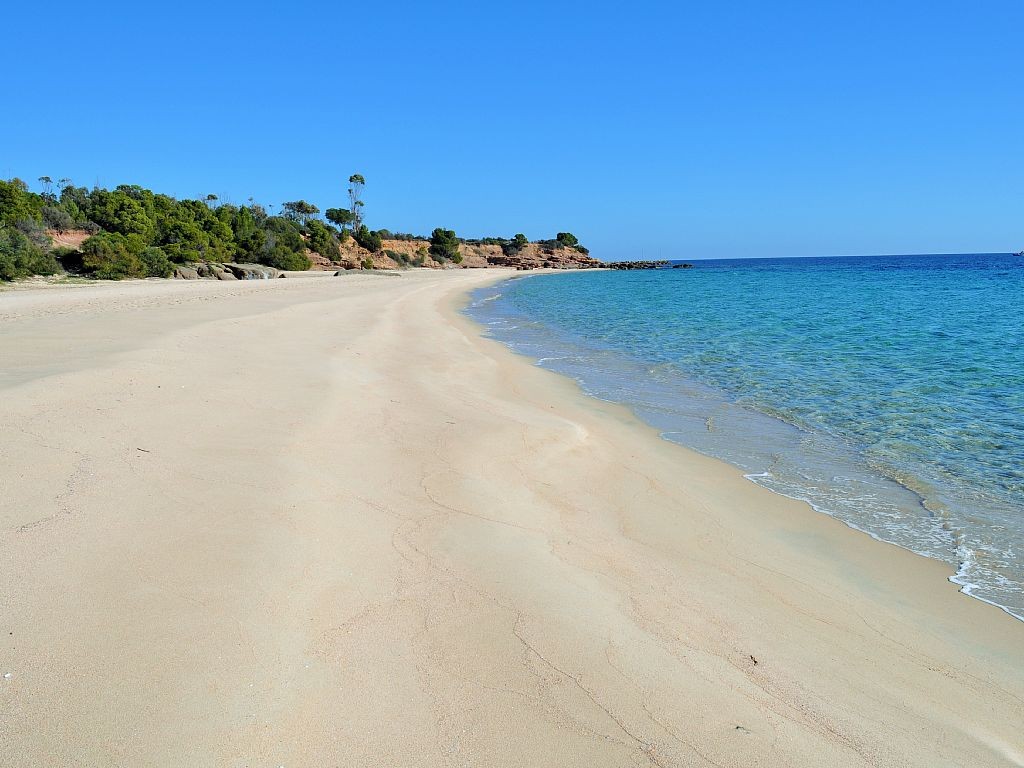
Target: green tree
<point>284,247</point>
<point>321,240</point>
<point>444,245</point>
<point>119,212</point>
<point>341,217</point>
<point>567,239</point>
<point>300,210</point>
<point>17,203</point>
<point>55,217</point>
<point>249,235</point>
<point>75,201</point>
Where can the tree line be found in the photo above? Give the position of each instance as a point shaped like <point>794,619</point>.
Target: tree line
<point>135,232</point>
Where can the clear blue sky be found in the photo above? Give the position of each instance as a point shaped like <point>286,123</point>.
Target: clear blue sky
<point>662,129</point>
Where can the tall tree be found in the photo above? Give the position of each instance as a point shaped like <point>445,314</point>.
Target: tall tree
<point>355,194</point>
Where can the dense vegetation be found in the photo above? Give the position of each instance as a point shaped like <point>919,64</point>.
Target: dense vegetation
<point>134,232</point>
<point>138,233</point>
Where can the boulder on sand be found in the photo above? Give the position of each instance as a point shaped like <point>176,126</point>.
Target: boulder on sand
<point>251,271</point>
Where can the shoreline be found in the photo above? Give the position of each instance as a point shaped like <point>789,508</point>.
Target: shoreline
<point>460,306</point>
<point>202,572</point>
<point>560,344</point>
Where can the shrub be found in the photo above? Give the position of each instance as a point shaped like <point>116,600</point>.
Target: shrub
<point>321,240</point>
<point>366,263</point>
<point>444,245</point>
<point>57,218</point>
<point>515,245</point>
<point>567,239</point>
<point>20,257</point>
<point>111,256</point>
<point>371,241</point>
<point>156,263</point>
<point>283,247</point>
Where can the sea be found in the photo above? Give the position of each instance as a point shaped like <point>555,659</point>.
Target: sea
<point>886,391</point>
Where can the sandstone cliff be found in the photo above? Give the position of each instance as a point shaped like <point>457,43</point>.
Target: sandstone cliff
<point>474,256</point>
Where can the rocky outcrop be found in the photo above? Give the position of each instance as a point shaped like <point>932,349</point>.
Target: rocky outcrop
<point>227,271</point>
<point>540,256</point>
<point>252,271</point>
<point>637,264</point>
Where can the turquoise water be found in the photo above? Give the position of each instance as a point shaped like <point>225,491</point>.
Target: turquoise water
<point>886,391</point>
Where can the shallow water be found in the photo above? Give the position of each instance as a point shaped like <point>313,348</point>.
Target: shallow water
<point>886,391</point>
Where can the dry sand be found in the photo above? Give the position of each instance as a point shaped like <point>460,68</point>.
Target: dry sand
<point>322,522</point>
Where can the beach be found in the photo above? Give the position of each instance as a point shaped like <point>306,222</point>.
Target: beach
<point>324,521</point>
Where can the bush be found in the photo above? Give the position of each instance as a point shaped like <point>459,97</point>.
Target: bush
<point>112,256</point>
<point>371,241</point>
<point>366,263</point>
<point>515,245</point>
<point>444,245</point>
<point>321,240</point>
<point>283,247</point>
<point>57,218</point>
<point>156,263</point>
<point>288,260</point>
<point>20,257</point>
<point>567,239</point>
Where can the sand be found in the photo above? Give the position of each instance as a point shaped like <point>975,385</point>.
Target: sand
<point>323,522</point>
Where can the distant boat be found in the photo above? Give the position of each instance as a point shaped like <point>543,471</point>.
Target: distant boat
<point>1019,253</point>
